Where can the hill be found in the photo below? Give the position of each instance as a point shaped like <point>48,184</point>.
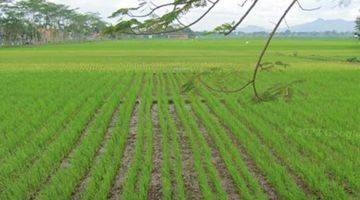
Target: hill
<point>319,25</point>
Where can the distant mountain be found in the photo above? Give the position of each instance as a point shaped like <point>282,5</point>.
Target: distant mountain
<point>321,25</point>
<point>252,29</point>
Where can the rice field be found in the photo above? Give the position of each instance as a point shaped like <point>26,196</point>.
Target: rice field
<point>111,120</point>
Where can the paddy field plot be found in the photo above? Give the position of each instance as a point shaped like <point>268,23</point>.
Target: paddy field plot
<point>111,120</point>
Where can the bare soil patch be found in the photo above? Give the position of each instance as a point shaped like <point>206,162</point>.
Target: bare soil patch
<point>155,183</point>
<point>127,156</point>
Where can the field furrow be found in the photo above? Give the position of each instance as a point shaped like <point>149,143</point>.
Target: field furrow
<point>209,179</point>
<point>296,163</point>
<point>80,187</point>
<point>80,158</point>
<point>155,191</point>
<point>172,166</point>
<point>191,183</point>
<point>315,151</point>
<point>244,155</point>
<point>103,175</point>
<point>226,180</point>
<point>129,151</point>
<point>138,174</point>
<point>127,155</point>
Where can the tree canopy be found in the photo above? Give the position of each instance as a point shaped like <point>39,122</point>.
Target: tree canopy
<point>357,27</point>
<point>39,21</point>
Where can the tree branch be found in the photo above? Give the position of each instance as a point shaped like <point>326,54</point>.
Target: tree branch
<point>242,18</point>
<point>307,9</point>
<point>176,29</point>
<point>262,54</point>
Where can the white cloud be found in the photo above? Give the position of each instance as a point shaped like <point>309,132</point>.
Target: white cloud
<point>266,11</point>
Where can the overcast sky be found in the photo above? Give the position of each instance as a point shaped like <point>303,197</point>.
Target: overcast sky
<point>267,12</point>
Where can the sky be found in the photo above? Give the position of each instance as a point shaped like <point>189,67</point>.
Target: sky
<point>264,15</point>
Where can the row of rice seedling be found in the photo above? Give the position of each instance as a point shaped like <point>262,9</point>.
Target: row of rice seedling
<point>165,171</point>
<point>286,151</point>
<point>209,180</point>
<point>81,157</point>
<point>333,114</point>
<point>264,131</point>
<point>42,107</point>
<point>24,157</point>
<point>314,177</point>
<point>56,143</point>
<point>269,150</point>
<point>21,96</point>
<point>318,106</point>
<point>315,132</point>
<point>8,126</point>
<point>171,168</point>
<point>59,119</point>
<point>138,174</point>
<point>143,183</point>
<point>315,143</point>
<point>277,174</point>
<point>103,172</point>
<point>245,181</point>
<point>318,120</point>
<point>317,152</point>
<point>329,138</point>
<point>30,178</point>
<point>145,175</point>
<point>309,128</point>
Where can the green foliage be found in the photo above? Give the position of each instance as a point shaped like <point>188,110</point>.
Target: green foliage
<point>357,27</point>
<point>152,23</point>
<point>224,28</point>
<point>273,66</point>
<point>280,91</point>
<point>353,59</point>
<point>39,21</point>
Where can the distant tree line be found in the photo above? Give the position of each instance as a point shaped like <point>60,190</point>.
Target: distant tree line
<point>38,21</point>
<point>357,27</point>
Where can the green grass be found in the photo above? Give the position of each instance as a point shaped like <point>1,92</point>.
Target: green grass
<point>172,53</point>
<point>73,116</point>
